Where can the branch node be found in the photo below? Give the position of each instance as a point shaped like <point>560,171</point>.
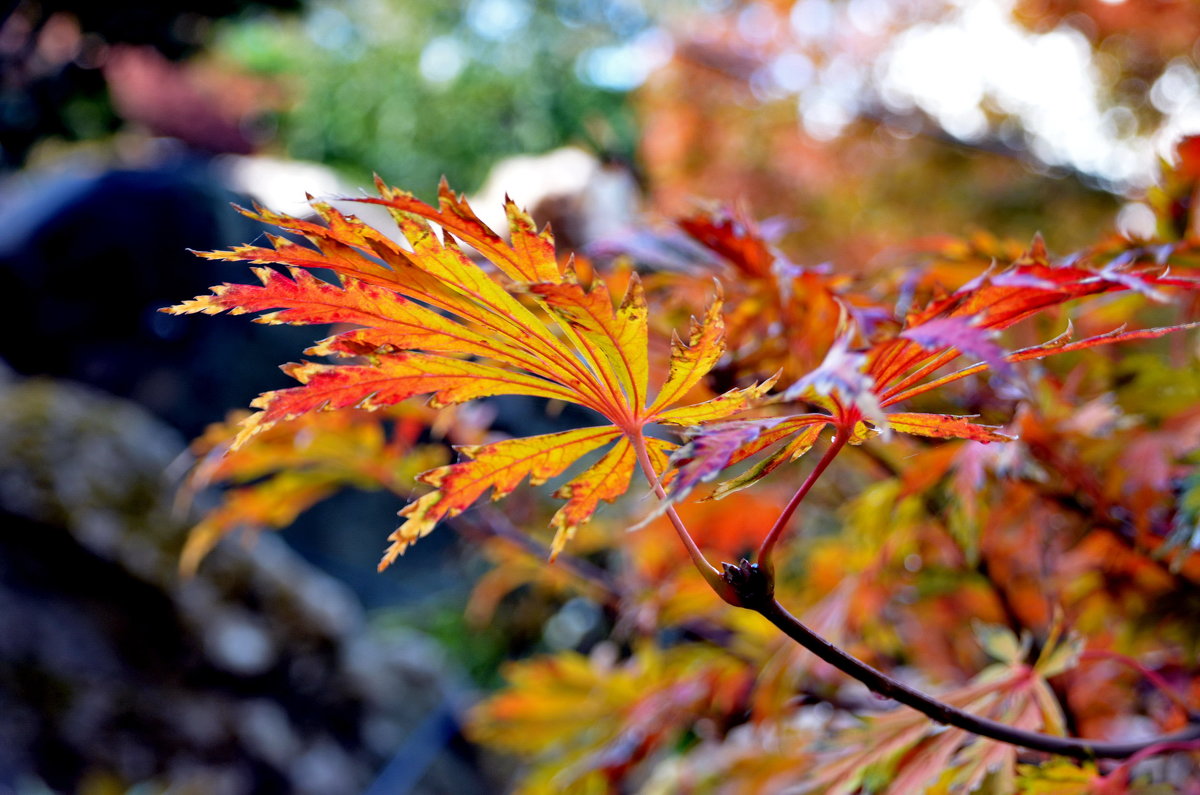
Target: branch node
<point>752,586</point>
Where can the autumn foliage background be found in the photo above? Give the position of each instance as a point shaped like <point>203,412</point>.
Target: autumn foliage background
<point>1021,543</point>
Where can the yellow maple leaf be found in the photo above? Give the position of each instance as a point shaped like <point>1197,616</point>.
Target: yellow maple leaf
<point>429,320</point>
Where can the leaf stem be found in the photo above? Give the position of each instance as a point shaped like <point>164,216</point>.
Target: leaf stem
<point>767,548</point>
<point>710,573</point>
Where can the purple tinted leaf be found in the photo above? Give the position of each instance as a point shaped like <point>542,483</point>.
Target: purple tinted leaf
<point>773,229</point>
<point>1018,278</point>
<point>711,449</point>
<point>797,446</point>
<point>1123,259</point>
<point>869,319</point>
<point>1112,272</point>
<point>842,376</point>
<point>962,335</point>
<point>672,251</point>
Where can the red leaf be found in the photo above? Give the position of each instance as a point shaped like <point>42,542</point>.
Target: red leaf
<point>734,238</point>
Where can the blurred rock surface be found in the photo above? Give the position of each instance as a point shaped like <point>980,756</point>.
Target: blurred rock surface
<point>260,675</point>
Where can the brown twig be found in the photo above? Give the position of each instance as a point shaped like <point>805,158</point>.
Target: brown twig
<point>752,586</point>
<point>755,589</point>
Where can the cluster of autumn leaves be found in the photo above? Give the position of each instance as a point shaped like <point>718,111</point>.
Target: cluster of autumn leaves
<point>1037,484</point>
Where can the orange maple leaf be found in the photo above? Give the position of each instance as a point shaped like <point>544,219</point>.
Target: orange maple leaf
<point>299,463</point>
<point>859,387</point>
<point>431,321</point>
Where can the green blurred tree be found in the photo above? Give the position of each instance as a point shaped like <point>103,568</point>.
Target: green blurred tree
<point>417,90</point>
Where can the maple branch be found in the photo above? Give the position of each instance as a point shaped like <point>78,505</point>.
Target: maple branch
<point>755,590</point>
<point>709,572</point>
<point>767,548</point>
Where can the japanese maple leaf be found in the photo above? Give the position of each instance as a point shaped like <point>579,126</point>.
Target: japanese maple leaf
<point>779,315</point>
<point>431,321</point>
<point>298,463</point>
<point>858,387</point>
<point>578,718</point>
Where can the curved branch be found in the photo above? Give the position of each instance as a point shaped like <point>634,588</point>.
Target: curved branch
<point>752,586</point>
<point>756,591</point>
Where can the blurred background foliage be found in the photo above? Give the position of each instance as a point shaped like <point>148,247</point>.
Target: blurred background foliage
<point>858,125</point>
<point>839,115</point>
<point>415,90</point>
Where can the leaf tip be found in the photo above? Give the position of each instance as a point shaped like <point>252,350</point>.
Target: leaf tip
<point>1037,248</point>
<point>718,292</point>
